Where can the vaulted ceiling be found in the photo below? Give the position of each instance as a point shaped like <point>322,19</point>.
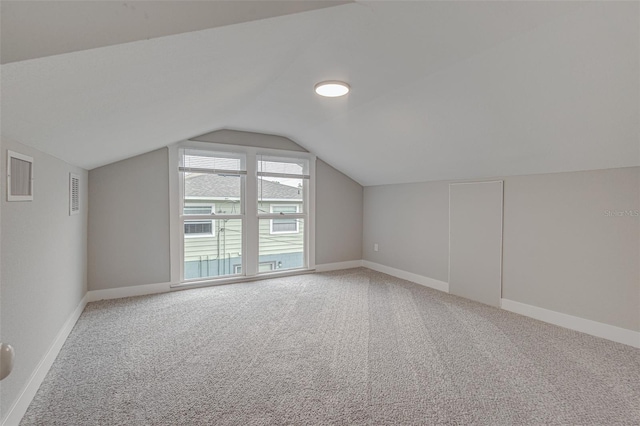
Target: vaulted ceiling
<point>440,90</point>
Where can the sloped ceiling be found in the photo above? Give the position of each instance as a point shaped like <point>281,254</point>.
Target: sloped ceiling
<point>440,90</point>
<point>34,29</point>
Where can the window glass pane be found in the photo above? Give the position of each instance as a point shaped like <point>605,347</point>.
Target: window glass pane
<point>283,250</point>
<point>290,166</point>
<point>279,191</point>
<point>224,191</point>
<point>216,254</point>
<point>194,209</point>
<point>282,208</point>
<point>212,160</point>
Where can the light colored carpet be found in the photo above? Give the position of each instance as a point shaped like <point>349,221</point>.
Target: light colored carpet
<point>348,347</point>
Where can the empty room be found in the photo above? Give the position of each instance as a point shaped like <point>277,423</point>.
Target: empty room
<point>319,212</point>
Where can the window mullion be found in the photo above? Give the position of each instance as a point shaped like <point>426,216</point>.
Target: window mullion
<point>283,216</point>
<point>250,261</point>
<point>210,217</point>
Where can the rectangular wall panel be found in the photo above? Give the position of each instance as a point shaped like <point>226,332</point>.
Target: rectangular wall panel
<point>475,241</point>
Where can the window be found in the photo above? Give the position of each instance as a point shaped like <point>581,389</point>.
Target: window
<point>199,228</point>
<point>232,225</point>
<point>262,267</point>
<point>284,226</point>
<point>212,185</point>
<point>192,229</point>
<point>283,186</point>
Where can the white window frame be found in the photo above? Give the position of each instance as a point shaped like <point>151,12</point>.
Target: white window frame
<point>271,231</point>
<point>212,221</point>
<point>250,224</point>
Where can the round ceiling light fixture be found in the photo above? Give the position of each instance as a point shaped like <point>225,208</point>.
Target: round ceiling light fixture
<point>332,88</point>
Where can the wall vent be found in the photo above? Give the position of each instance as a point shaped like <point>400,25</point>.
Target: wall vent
<point>19,177</point>
<point>74,194</point>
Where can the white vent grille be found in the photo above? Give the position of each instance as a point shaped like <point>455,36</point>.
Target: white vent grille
<point>74,194</point>
<point>19,177</point>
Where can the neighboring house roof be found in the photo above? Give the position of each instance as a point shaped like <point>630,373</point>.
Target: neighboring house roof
<point>217,186</point>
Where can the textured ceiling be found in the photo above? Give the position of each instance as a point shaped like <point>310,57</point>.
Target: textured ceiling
<point>440,90</point>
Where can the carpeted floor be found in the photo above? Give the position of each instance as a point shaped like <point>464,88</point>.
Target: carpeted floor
<point>347,347</point>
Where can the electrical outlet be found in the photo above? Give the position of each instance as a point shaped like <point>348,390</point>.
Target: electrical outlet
<point>375,247</point>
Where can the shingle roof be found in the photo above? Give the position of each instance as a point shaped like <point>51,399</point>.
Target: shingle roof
<point>217,186</point>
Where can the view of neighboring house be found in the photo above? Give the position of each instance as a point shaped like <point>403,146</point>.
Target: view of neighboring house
<point>213,247</point>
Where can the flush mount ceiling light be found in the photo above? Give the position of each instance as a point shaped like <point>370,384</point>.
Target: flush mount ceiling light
<point>332,88</point>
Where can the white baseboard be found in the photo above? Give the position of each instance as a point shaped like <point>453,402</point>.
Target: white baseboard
<point>326,267</point>
<point>120,292</point>
<point>404,275</point>
<point>594,328</point>
<point>19,407</point>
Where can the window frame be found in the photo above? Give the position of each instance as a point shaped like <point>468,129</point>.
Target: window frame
<point>250,216</point>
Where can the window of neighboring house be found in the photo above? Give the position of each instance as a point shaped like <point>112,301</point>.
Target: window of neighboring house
<point>284,226</point>
<point>199,228</point>
<point>262,267</point>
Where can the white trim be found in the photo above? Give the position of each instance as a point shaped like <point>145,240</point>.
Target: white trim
<point>251,227</point>
<point>310,223</point>
<point>265,200</point>
<point>120,292</point>
<point>237,279</point>
<point>234,149</point>
<point>594,328</point>
<point>19,407</point>
<point>349,264</point>
<point>409,276</point>
<point>175,234</point>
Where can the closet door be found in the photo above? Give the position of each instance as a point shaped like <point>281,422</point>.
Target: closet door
<point>475,241</point>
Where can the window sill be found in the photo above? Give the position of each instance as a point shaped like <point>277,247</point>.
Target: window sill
<point>239,279</point>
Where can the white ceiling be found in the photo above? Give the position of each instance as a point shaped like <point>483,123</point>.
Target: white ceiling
<point>34,29</point>
<point>440,90</point>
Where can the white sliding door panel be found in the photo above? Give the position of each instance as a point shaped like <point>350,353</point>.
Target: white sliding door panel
<point>475,241</point>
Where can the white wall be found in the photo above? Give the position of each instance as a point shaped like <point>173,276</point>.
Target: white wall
<point>129,215</point>
<point>44,260</point>
<point>410,224</point>
<point>339,203</point>
<point>561,251</point>
<point>235,137</point>
<point>564,253</point>
<point>129,222</point>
